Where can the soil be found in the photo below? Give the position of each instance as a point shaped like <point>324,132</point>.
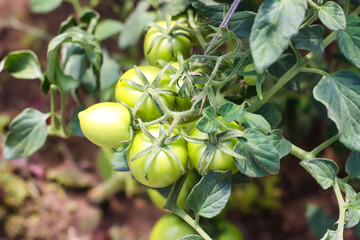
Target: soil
<point>56,212</point>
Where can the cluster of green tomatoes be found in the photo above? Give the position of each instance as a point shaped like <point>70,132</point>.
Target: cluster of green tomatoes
<point>143,94</point>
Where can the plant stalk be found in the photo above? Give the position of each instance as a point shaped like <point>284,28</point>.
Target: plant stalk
<point>342,208</point>
<point>225,21</point>
<point>300,153</point>
<point>324,145</point>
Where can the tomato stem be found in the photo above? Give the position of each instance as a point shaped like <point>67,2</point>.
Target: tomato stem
<point>342,208</point>
<point>225,21</point>
<point>300,153</point>
<point>324,145</point>
<point>256,102</point>
<point>346,7</point>
<point>54,120</point>
<point>62,116</point>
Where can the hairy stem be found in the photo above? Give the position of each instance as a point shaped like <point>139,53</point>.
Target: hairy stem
<point>256,102</point>
<point>324,145</point>
<point>63,111</point>
<point>224,22</point>
<point>342,208</point>
<point>300,153</point>
<point>54,120</point>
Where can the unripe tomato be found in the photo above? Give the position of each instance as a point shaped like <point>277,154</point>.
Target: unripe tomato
<point>220,161</point>
<point>250,79</point>
<point>159,200</point>
<point>229,232</point>
<point>106,124</point>
<point>128,94</point>
<point>163,170</point>
<point>162,48</point>
<point>170,227</point>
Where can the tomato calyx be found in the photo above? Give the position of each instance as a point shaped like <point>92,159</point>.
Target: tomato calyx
<point>150,90</point>
<point>159,144</point>
<point>169,32</point>
<point>213,143</point>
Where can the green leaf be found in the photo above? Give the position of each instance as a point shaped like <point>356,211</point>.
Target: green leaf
<point>352,165</point>
<point>230,111</point>
<point>75,123</point>
<point>82,42</point>
<point>107,28</point>
<point>68,23</point>
<point>240,23</point>
<point>340,93</point>
<point>332,16</point>
<point>65,82</point>
<point>22,64</point>
<point>28,133</point>
<point>355,203</point>
<point>261,157</point>
<point>208,122</point>
<point>270,113</point>
<point>318,220</point>
<point>276,22</point>
<point>323,170</point>
<point>209,196</point>
<point>90,18</point>
<point>255,121</point>
<point>109,75</point>
<point>174,8</point>
<point>282,145</point>
<point>310,38</point>
<point>135,24</point>
<point>75,61</point>
<point>44,6</point>
<point>119,162</point>
<point>333,235</point>
<point>191,237</point>
<point>349,40</point>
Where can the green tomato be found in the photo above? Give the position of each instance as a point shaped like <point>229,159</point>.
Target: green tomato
<point>159,200</point>
<point>170,227</point>
<point>229,232</point>
<point>250,79</point>
<point>163,170</point>
<point>167,47</point>
<point>128,94</point>
<point>220,161</point>
<point>106,124</point>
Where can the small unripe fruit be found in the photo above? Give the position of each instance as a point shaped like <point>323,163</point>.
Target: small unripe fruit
<point>250,79</point>
<point>106,124</point>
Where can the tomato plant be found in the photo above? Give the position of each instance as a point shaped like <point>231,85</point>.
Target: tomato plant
<point>163,42</point>
<point>198,107</point>
<point>163,169</point>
